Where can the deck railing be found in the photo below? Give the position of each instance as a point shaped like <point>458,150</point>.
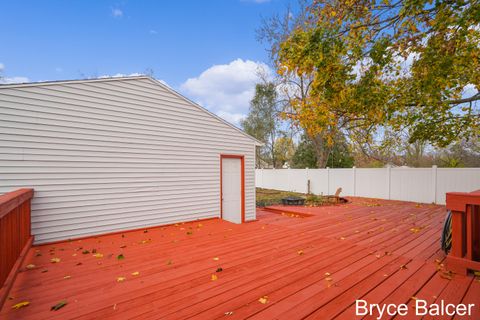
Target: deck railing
<point>465,252</point>
<point>15,235</point>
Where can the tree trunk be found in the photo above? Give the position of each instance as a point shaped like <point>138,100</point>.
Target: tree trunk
<point>322,150</point>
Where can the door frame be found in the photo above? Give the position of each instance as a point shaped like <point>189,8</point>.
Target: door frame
<point>242,179</point>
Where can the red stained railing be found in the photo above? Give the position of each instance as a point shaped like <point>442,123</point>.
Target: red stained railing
<point>465,252</point>
<point>15,235</point>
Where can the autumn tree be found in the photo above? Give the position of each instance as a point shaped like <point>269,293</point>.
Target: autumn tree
<point>262,121</point>
<point>293,87</point>
<point>386,67</point>
<point>284,150</point>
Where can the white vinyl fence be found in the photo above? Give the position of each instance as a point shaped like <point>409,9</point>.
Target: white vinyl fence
<point>426,185</point>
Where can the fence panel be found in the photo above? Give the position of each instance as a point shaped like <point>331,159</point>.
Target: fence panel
<point>426,185</point>
<point>412,184</point>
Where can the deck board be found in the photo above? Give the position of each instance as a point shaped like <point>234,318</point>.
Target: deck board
<point>310,266</point>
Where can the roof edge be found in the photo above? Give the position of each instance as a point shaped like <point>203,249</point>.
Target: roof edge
<point>53,82</point>
<point>173,91</point>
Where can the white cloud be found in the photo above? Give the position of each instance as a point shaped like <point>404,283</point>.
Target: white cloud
<point>234,118</point>
<point>469,90</point>
<point>120,75</point>
<point>135,74</point>
<point>117,13</point>
<point>8,80</point>
<point>226,89</point>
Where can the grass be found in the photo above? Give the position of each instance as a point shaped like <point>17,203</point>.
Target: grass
<point>269,197</point>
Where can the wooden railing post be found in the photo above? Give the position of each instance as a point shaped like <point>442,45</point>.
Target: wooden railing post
<point>458,234</point>
<point>465,252</point>
<point>15,236</point>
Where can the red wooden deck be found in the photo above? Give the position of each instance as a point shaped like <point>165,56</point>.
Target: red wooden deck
<point>312,267</point>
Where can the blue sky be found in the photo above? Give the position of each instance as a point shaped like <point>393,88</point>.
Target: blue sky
<point>207,49</point>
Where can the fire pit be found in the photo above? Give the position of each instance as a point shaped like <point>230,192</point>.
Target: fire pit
<point>293,201</point>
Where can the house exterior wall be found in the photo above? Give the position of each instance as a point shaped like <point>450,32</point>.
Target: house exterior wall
<point>114,155</point>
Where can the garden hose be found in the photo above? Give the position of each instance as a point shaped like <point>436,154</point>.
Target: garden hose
<point>447,233</point>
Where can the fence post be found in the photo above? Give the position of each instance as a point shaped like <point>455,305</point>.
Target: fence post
<point>389,179</point>
<point>328,180</point>
<point>307,180</point>
<point>354,173</point>
<point>434,182</point>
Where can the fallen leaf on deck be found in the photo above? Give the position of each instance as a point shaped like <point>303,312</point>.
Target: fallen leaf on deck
<point>59,305</point>
<point>67,277</point>
<point>476,273</point>
<point>342,238</point>
<point>146,241</point>
<point>263,300</point>
<point>328,279</point>
<point>415,229</point>
<point>43,271</point>
<point>38,254</point>
<point>169,262</point>
<point>446,275</point>
<point>55,260</point>
<point>200,225</point>
<point>216,258</point>
<point>98,255</point>
<point>189,233</point>
<point>403,267</point>
<point>327,274</point>
<point>121,279</point>
<point>214,277</point>
<point>85,252</point>
<point>145,231</point>
<point>300,252</point>
<point>123,247</point>
<point>228,313</point>
<point>136,273</point>
<point>219,269</point>
<point>20,305</point>
<point>120,256</point>
<point>79,264</point>
<point>30,266</point>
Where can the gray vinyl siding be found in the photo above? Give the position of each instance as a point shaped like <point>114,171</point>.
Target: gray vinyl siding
<point>114,155</point>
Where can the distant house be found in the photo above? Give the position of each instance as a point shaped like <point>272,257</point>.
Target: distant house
<point>114,154</point>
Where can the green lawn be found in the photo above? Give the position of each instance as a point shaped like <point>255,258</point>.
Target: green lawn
<point>268,197</point>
